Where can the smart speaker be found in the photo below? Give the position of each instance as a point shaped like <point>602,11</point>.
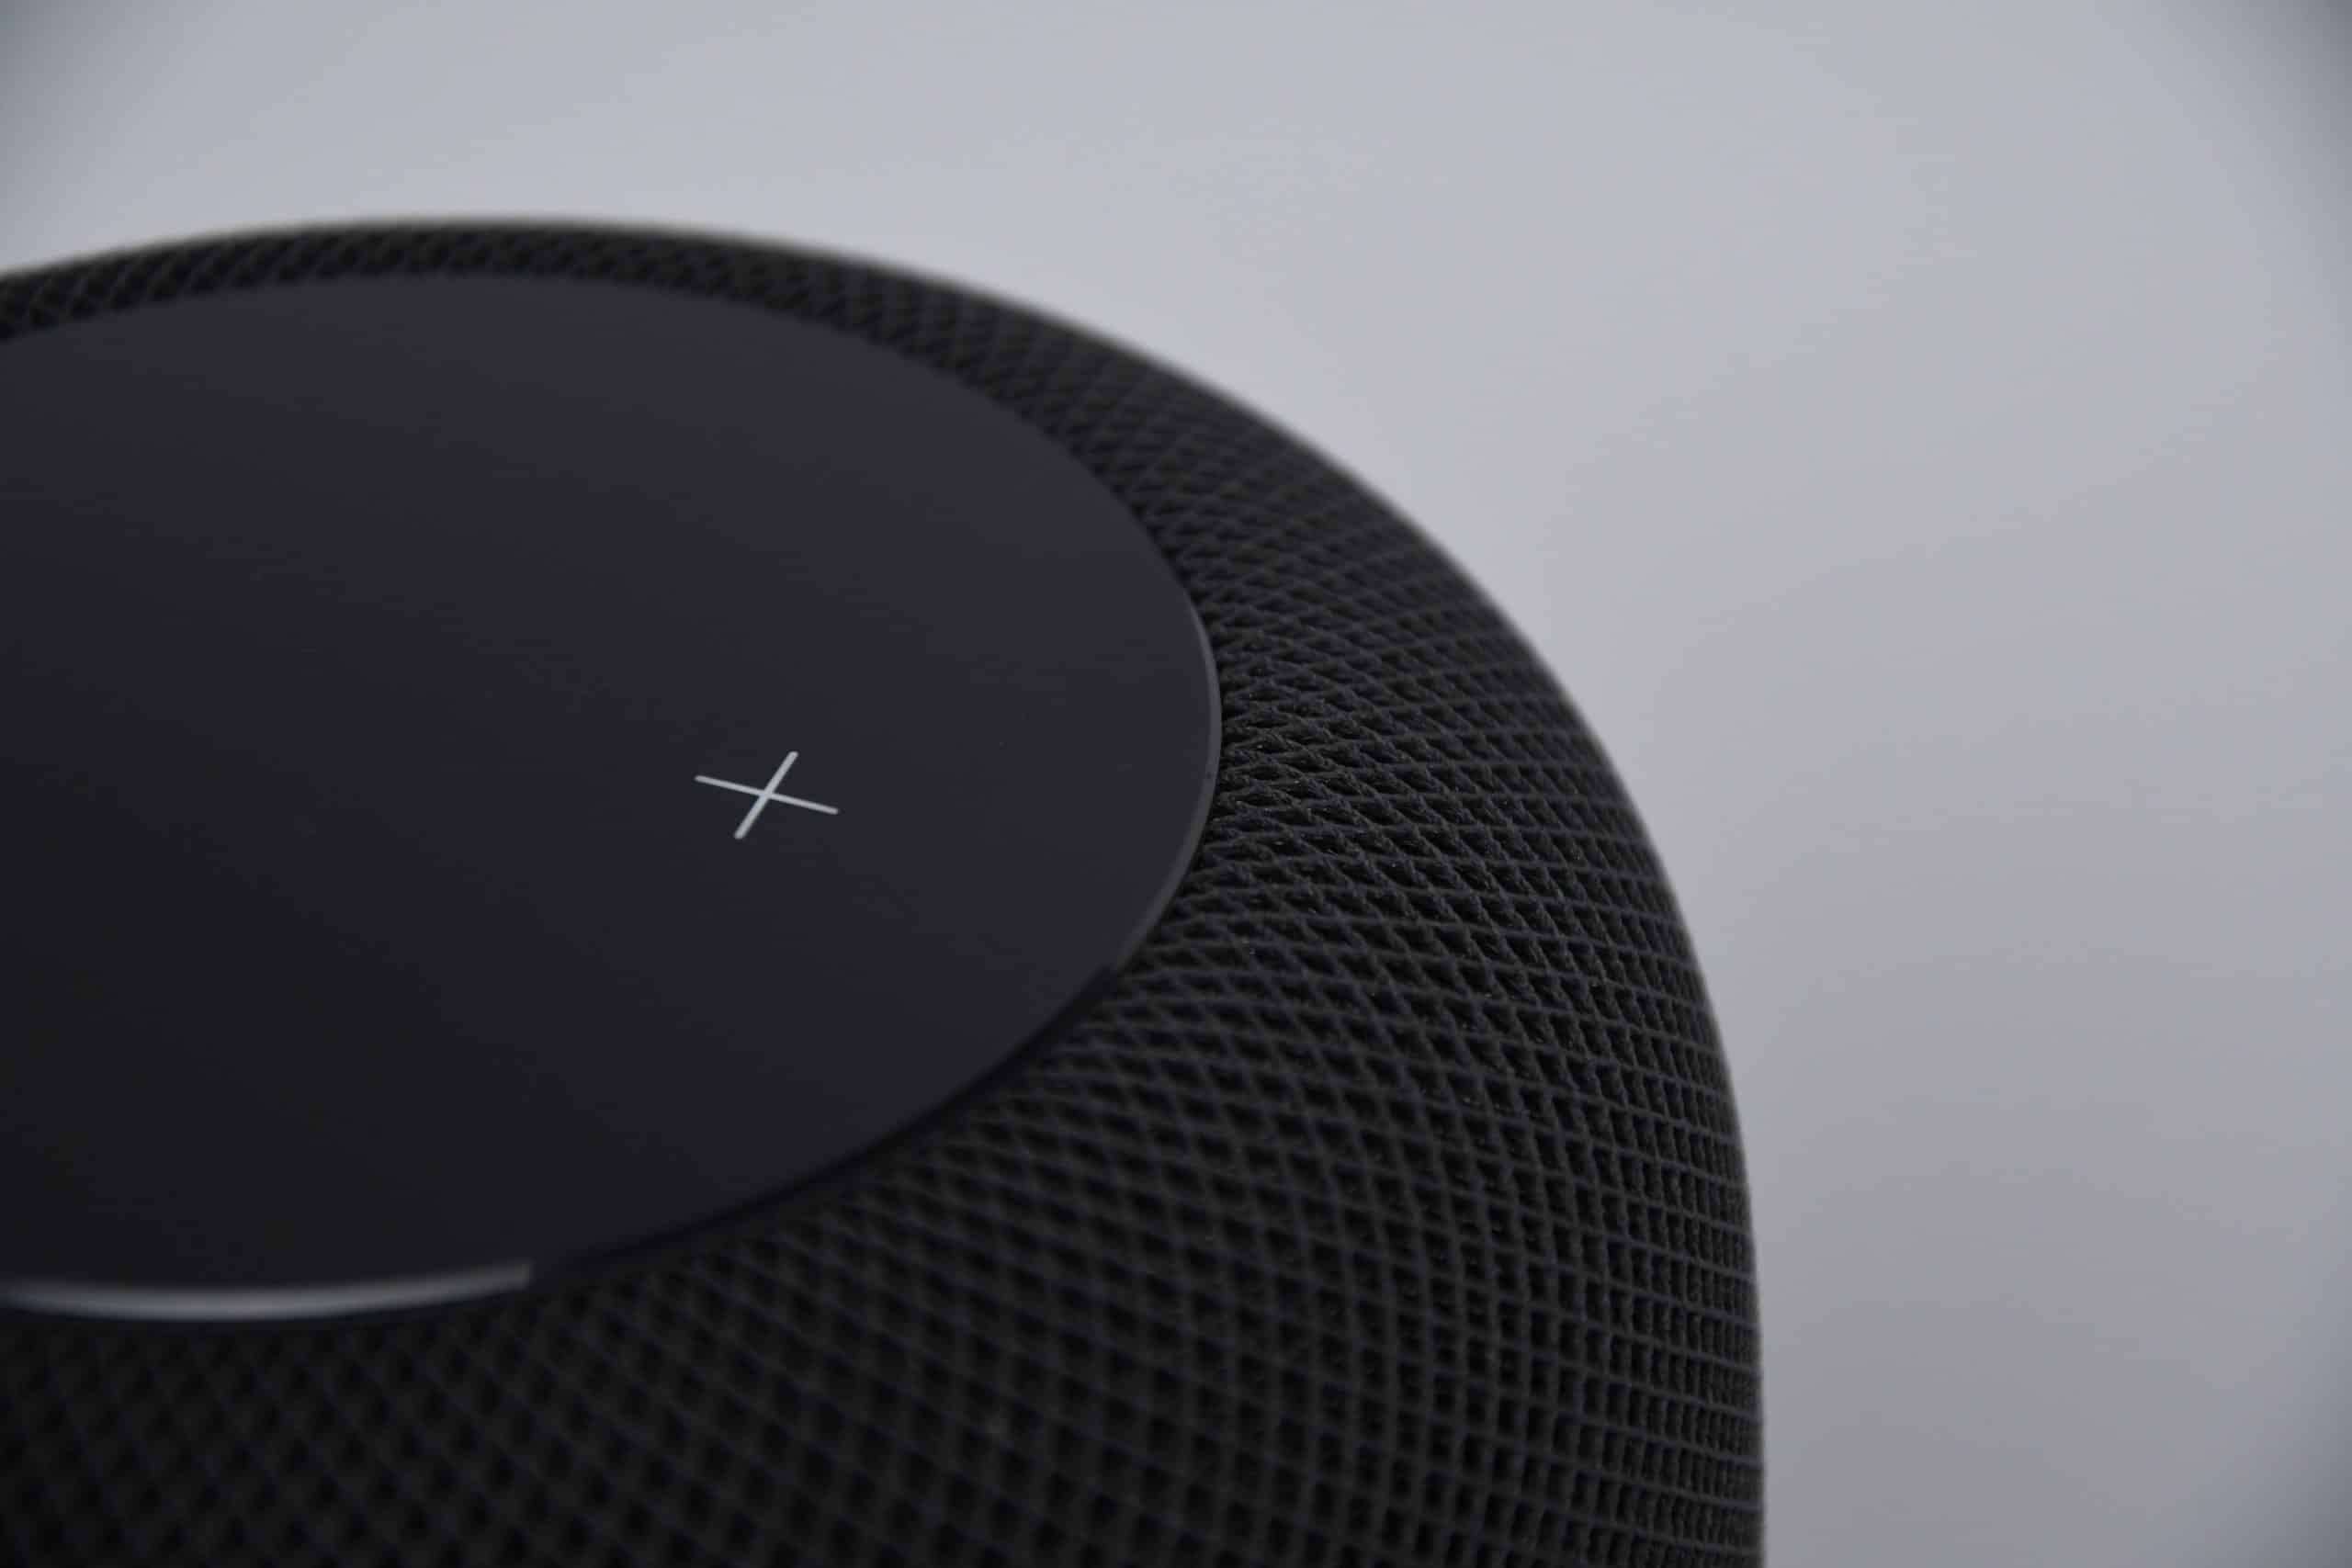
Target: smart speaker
<point>674,902</point>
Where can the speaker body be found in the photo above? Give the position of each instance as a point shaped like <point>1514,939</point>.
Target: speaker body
<point>1248,1098</point>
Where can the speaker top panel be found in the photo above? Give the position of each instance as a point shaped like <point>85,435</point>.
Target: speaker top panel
<point>500,771</point>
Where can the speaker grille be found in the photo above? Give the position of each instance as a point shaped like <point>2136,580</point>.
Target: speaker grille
<point>1389,1209</point>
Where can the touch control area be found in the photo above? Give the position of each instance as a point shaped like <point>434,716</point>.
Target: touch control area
<point>501,773</point>
<point>762,797</point>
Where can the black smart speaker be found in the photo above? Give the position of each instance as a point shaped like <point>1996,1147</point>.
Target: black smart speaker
<point>672,903</point>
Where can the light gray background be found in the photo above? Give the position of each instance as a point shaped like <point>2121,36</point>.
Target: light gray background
<point>1917,433</point>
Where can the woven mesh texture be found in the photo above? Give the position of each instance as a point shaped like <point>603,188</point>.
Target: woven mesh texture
<point>1389,1209</point>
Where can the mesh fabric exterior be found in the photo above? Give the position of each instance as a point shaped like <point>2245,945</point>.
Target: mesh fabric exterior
<point>1387,1209</point>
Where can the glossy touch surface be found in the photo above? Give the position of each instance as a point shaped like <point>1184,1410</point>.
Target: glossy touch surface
<point>501,771</point>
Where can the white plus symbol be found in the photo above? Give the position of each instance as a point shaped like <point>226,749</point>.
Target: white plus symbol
<point>767,794</point>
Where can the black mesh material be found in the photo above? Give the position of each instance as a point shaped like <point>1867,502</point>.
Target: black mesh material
<point>1387,1210</point>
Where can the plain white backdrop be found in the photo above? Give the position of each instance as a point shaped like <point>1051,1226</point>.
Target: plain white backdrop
<point>1919,436</point>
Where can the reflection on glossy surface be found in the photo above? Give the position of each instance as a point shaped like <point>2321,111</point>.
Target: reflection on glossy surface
<point>392,670</point>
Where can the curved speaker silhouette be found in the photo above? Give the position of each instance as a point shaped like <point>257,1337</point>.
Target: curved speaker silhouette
<point>675,901</point>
